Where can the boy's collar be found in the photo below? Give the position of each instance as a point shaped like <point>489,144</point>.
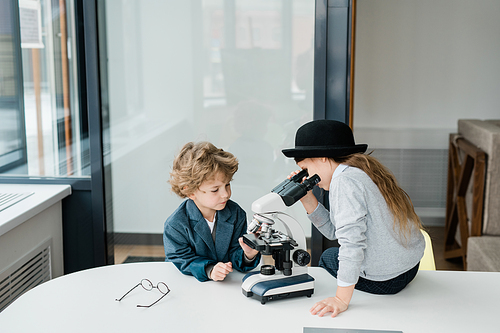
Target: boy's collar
<point>215,218</point>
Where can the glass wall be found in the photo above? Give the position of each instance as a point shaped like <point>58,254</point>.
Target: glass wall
<point>12,138</point>
<point>43,132</point>
<point>236,73</point>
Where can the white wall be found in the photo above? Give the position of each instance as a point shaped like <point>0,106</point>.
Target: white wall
<point>420,65</point>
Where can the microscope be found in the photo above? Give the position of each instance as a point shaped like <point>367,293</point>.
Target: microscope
<point>288,276</point>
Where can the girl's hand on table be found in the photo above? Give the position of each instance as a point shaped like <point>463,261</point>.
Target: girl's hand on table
<point>331,304</point>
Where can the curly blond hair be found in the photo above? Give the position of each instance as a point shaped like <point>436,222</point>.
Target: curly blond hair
<point>197,162</point>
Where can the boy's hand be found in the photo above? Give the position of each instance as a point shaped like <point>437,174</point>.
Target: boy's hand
<point>220,271</point>
<point>249,252</point>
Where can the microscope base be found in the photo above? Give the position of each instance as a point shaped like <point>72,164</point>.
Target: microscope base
<point>281,288</point>
<point>264,299</point>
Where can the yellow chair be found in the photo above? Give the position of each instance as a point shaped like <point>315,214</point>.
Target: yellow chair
<point>427,263</point>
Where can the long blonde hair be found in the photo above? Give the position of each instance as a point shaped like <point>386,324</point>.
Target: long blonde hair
<point>397,199</point>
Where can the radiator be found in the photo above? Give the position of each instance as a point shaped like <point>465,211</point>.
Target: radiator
<point>9,199</point>
<point>33,269</point>
<point>423,174</point>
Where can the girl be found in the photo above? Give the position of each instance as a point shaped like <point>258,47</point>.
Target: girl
<point>370,215</point>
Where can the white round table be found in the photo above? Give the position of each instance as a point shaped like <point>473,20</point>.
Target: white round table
<point>436,301</point>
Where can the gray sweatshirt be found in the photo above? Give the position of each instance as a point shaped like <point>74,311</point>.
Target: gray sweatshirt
<point>361,221</point>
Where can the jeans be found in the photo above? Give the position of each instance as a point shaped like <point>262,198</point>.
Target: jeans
<point>329,260</point>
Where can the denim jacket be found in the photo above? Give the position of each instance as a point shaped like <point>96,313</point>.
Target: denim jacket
<point>189,245</point>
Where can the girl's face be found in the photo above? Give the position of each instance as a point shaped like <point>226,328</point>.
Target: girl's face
<point>321,166</point>
<point>212,195</point>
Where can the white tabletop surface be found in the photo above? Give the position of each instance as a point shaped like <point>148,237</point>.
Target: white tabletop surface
<point>42,198</point>
<point>436,301</point>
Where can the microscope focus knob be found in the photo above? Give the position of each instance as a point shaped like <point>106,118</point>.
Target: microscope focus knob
<point>267,270</point>
<point>301,257</point>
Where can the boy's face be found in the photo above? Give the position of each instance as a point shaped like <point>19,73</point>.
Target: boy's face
<point>212,195</point>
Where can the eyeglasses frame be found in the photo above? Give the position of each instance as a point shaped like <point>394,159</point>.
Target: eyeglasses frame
<point>152,287</point>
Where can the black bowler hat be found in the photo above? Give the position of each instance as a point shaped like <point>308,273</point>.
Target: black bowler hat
<point>324,138</point>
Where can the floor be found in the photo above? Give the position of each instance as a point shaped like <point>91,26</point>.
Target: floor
<point>124,251</point>
<point>437,237</point>
<point>436,234</point>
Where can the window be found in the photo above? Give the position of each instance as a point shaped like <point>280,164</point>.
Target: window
<point>236,73</point>
<point>43,132</point>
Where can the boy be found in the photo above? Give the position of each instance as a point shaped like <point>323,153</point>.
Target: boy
<point>203,237</point>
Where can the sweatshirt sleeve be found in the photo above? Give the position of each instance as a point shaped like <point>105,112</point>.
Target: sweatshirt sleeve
<point>349,211</point>
<point>320,218</point>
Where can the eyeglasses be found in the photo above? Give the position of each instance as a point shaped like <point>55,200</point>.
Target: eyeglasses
<point>148,286</point>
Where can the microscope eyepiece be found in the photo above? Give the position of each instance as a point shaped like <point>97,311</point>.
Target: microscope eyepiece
<point>298,177</point>
<point>291,190</point>
<point>310,182</point>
